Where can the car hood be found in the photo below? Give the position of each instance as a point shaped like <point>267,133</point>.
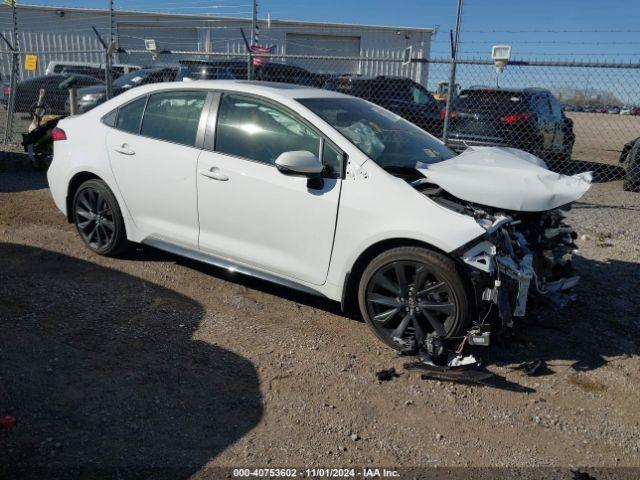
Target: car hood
<point>506,178</point>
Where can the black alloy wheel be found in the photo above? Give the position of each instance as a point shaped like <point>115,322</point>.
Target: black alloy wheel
<point>98,218</point>
<point>408,292</point>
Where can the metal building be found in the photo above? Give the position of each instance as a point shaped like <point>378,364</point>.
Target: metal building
<point>56,30</point>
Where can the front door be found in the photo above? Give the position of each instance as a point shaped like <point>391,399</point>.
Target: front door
<point>250,212</point>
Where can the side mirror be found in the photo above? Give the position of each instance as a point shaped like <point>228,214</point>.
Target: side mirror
<point>299,162</point>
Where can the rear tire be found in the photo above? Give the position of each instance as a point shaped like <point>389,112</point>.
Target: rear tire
<point>408,292</point>
<point>98,219</point>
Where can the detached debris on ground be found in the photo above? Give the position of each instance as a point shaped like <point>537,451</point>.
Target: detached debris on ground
<point>386,375</point>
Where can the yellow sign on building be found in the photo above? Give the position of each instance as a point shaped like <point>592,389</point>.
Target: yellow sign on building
<point>30,62</point>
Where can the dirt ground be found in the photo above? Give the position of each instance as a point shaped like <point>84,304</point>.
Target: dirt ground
<point>152,361</point>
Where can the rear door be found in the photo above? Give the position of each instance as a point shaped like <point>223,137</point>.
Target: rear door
<point>154,152</point>
<point>252,213</point>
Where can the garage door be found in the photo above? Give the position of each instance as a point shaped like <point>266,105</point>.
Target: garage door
<point>132,36</point>
<point>334,45</point>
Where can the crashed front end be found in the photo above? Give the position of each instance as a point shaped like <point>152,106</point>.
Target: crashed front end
<point>527,247</point>
<point>522,254</point>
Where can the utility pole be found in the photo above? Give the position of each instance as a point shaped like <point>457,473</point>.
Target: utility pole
<point>254,38</point>
<point>109,55</point>
<point>452,73</point>
<point>15,65</point>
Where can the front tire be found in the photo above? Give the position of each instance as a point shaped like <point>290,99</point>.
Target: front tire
<point>406,293</point>
<point>98,218</point>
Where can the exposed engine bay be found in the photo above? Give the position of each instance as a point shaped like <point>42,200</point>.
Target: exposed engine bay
<point>522,254</point>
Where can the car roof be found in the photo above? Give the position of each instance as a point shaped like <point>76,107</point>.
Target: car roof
<point>60,76</point>
<point>526,90</point>
<point>153,69</point>
<point>269,89</point>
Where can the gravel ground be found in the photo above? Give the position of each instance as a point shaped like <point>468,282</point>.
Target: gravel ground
<point>155,361</point>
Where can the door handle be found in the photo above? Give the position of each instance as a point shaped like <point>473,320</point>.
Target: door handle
<point>214,173</point>
<point>124,149</point>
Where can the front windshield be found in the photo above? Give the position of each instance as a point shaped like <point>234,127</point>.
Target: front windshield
<point>383,136</point>
<point>130,79</point>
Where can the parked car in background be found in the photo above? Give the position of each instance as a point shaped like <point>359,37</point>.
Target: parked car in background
<point>211,70</point>
<point>55,98</point>
<point>402,96</point>
<point>625,111</point>
<point>89,97</point>
<point>529,119</point>
<point>253,177</point>
<point>87,68</point>
<point>237,69</point>
<point>285,73</point>
<point>601,109</point>
<point>613,110</point>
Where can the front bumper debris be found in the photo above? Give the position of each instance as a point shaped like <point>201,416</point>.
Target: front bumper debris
<point>518,258</point>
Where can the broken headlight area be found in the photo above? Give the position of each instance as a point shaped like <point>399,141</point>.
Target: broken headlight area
<point>522,254</point>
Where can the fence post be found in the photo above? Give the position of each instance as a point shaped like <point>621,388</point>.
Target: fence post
<point>15,65</point>
<point>253,37</point>
<point>452,74</point>
<point>108,55</point>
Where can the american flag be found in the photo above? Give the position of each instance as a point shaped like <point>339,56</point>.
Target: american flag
<point>261,54</point>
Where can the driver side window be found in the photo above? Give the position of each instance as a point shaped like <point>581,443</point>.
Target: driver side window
<point>251,128</point>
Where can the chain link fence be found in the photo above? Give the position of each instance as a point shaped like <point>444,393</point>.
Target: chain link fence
<point>576,116</point>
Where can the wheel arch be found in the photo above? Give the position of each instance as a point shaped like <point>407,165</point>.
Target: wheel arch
<point>75,182</point>
<point>349,300</point>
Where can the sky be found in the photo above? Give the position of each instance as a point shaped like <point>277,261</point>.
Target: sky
<point>526,18</point>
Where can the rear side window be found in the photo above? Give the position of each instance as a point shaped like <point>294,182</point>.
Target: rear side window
<point>174,116</point>
<point>129,116</point>
<point>252,128</point>
<point>110,118</point>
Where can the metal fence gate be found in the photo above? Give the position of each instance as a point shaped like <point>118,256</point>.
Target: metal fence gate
<point>583,126</point>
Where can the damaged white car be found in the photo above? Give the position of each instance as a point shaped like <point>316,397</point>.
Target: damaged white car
<point>325,193</point>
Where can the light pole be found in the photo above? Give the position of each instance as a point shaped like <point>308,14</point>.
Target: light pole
<point>108,55</point>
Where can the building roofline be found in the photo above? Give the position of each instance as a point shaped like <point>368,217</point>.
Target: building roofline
<point>206,18</point>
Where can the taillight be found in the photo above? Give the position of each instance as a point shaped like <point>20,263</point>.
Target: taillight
<point>58,134</point>
<point>443,113</point>
<point>6,90</point>
<point>518,117</point>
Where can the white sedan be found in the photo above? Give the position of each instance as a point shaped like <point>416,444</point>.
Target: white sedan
<point>325,193</point>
